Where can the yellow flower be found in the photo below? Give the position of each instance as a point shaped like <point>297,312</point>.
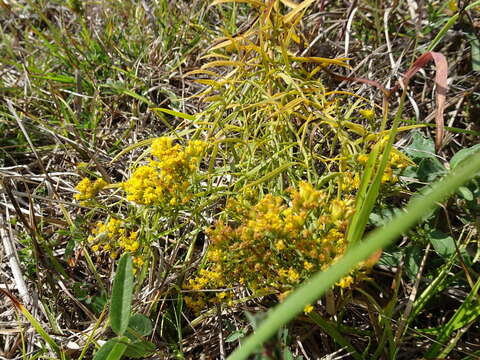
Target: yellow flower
<point>280,245</point>
<point>308,265</point>
<point>138,261</point>
<point>167,180</point>
<point>362,158</point>
<point>87,189</point>
<point>368,114</point>
<point>308,309</point>
<point>293,275</point>
<point>345,282</point>
<point>160,146</point>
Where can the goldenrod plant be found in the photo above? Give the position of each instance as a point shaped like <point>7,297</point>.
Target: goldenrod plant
<point>239,178</point>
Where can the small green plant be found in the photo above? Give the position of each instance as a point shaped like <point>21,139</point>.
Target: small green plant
<point>130,329</point>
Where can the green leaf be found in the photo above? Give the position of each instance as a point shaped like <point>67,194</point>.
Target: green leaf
<point>475,52</point>
<point>140,349</point>
<point>465,314</point>
<point>113,349</point>
<point>122,295</point>
<point>235,336</point>
<point>466,193</point>
<point>390,260</point>
<point>430,169</point>
<point>135,96</point>
<point>463,154</point>
<point>139,325</point>
<point>442,243</point>
<point>332,330</point>
<point>175,113</point>
<point>384,216</point>
<point>421,147</point>
<point>287,354</point>
<point>413,257</point>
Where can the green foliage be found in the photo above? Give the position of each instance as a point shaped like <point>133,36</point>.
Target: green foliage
<point>103,90</point>
<point>122,295</point>
<point>134,327</point>
<point>113,349</point>
<point>379,238</point>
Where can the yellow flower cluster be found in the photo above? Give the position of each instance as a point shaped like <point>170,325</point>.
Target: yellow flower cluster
<point>396,163</point>
<point>368,114</point>
<point>166,179</point>
<point>273,245</point>
<point>89,189</point>
<point>113,237</point>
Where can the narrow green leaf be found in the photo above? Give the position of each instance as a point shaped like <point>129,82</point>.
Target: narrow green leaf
<point>271,174</point>
<point>466,313</point>
<point>176,113</point>
<point>475,46</point>
<point>335,334</point>
<point>364,206</point>
<point>38,327</point>
<point>449,24</point>
<point>122,295</point>
<point>465,192</point>
<point>235,336</point>
<point>462,154</point>
<point>440,282</point>
<point>136,96</point>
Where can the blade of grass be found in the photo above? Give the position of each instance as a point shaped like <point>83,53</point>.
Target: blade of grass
<point>367,201</point>
<point>37,326</point>
<point>465,314</point>
<point>448,25</point>
<point>335,334</point>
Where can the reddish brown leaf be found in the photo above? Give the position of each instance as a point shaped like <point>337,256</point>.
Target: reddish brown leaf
<point>12,298</point>
<point>441,81</point>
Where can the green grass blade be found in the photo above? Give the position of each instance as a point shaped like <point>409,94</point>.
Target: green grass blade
<point>465,314</point>
<point>319,283</point>
<point>176,113</point>
<point>36,325</point>
<point>122,295</point>
<point>367,202</point>
<point>448,25</point>
<point>335,334</point>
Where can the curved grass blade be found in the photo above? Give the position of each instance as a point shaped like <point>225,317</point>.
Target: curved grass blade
<point>37,326</point>
<point>335,334</point>
<point>465,314</point>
